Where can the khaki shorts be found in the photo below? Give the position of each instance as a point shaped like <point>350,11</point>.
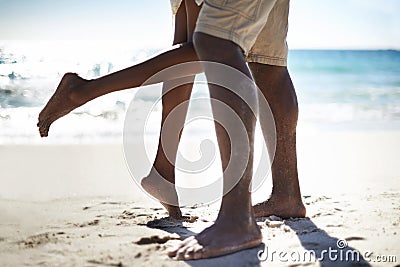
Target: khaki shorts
<point>259,27</point>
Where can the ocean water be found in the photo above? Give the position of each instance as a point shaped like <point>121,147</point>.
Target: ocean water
<point>348,86</point>
<point>339,90</point>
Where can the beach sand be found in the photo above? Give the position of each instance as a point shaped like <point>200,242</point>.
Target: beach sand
<point>76,205</point>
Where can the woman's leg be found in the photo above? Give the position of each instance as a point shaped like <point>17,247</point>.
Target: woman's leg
<point>171,128</point>
<point>74,91</point>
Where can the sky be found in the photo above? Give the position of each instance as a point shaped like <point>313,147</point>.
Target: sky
<point>313,24</point>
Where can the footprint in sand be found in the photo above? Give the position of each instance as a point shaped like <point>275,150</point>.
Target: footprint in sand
<point>156,239</point>
<point>105,263</point>
<point>321,214</point>
<point>91,223</point>
<point>112,203</point>
<point>132,217</point>
<point>334,225</point>
<point>302,226</point>
<point>169,222</point>
<point>129,215</point>
<point>354,238</point>
<point>41,239</point>
<point>308,200</point>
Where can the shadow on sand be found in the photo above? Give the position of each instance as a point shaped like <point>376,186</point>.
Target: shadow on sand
<point>328,250</point>
<point>313,239</point>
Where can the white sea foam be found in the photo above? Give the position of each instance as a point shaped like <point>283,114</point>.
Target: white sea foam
<point>333,92</point>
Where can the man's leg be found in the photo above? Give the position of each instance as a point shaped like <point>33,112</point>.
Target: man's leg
<point>74,91</point>
<point>277,88</point>
<point>269,56</point>
<point>235,228</point>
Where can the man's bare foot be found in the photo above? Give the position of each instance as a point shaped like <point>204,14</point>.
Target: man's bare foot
<point>283,207</point>
<point>61,103</point>
<point>222,238</point>
<point>164,191</point>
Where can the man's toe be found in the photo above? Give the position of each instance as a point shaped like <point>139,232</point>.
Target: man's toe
<point>199,252</point>
<point>189,255</point>
<point>182,254</point>
<point>172,252</point>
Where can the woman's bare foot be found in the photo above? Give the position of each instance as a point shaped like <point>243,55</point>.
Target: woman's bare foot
<point>61,103</point>
<point>164,191</point>
<point>283,207</point>
<point>222,238</point>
